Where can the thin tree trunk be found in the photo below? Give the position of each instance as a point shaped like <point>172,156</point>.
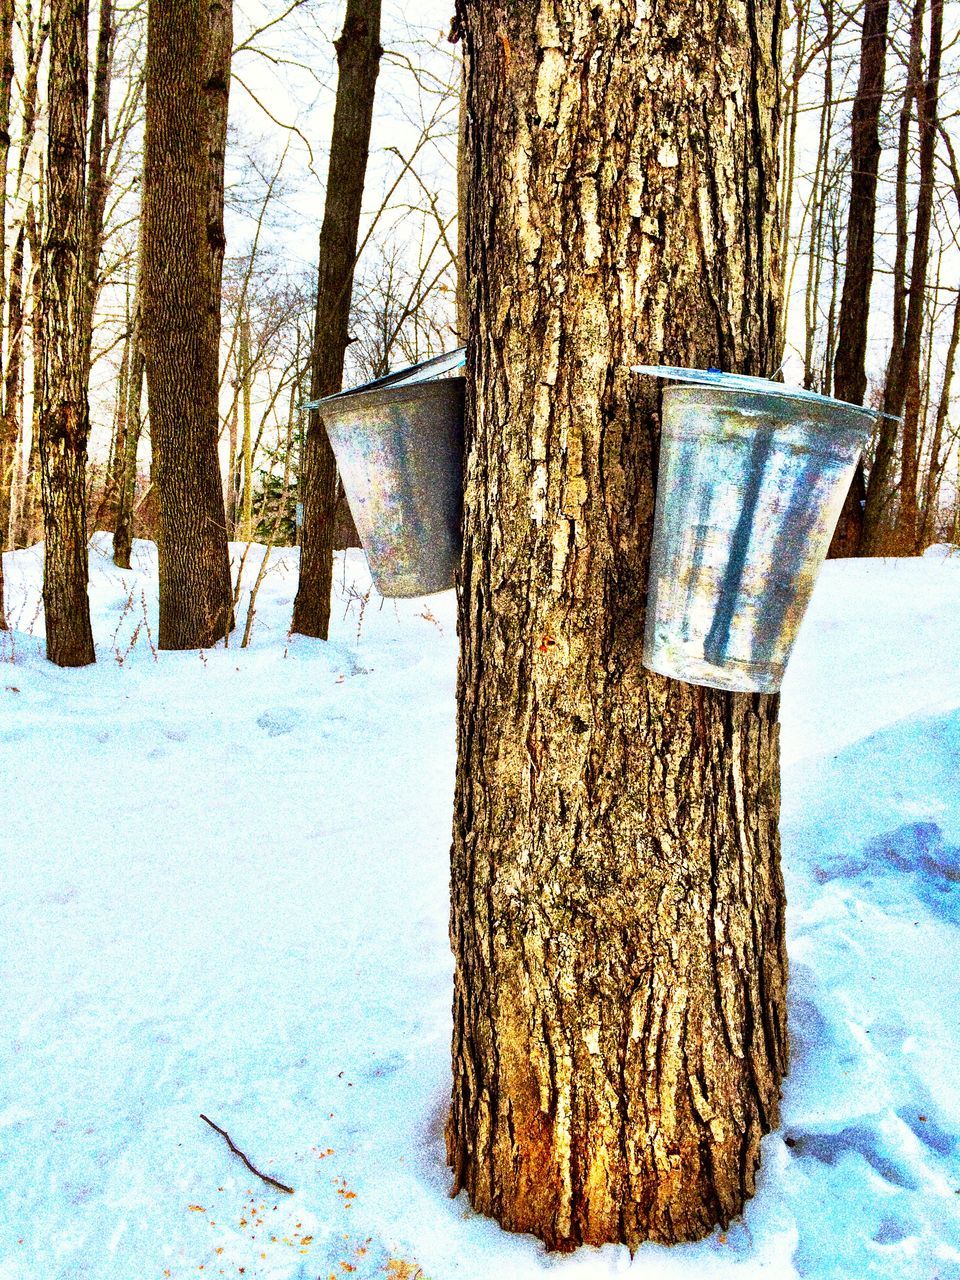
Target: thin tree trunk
<point>34,34</point>
<point>830,339</point>
<point>110,501</point>
<point>127,486</point>
<point>31,516</point>
<point>927,102</point>
<point>850,368</point>
<point>244,372</point>
<point>358,59</point>
<point>97,182</point>
<point>12,398</point>
<point>938,459</point>
<point>6,79</point>
<point>233,484</point>
<point>463,301</point>
<point>881,489</point>
<point>818,198</point>
<point>216,87</point>
<point>64,416</point>
<point>178,323</point>
<point>617,903</point>
<point>801,17</point>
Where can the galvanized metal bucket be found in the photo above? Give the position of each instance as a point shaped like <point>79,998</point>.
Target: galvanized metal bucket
<point>398,442</point>
<point>753,475</point>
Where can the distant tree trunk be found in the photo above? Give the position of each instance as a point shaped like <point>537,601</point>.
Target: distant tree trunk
<point>6,79</point>
<point>31,516</point>
<point>181,359</point>
<point>358,60</point>
<point>133,425</point>
<point>233,475</point>
<point>617,903</point>
<point>64,415</point>
<point>927,105</point>
<point>938,453</point>
<point>801,22</point>
<point>12,399</point>
<point>126,493</point>
<point>110,500</point>
<point>216,88</point>
<point>463,301</point>
<point>34,35</point>
<point>97,183</point>
<point>244,372</point>
<point>850,368</point>
<point>817,206</point>
<point>880,492</point>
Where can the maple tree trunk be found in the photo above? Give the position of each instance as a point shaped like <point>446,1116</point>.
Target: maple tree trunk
<point>196,606</point>
<point>64,415</point>
<point>849,369</point>
<point>617,901</point>
<point>358,60</point>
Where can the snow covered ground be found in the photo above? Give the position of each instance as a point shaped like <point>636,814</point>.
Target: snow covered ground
<point>224,890</point>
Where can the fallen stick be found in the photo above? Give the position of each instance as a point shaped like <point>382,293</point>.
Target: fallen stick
<point>237,1152</point>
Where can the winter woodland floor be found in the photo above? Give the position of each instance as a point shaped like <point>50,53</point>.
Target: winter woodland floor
<point>225,891</point>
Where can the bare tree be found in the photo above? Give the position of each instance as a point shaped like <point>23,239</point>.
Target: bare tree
<point>133,425</point>
<point>927,99</point>
<point>64,416</point>
<point>6,79</point>
<point>881,487</point>
<point>358,57</point>
<point>850,373</point>
<point>97,177</point>
<point>180,313</point>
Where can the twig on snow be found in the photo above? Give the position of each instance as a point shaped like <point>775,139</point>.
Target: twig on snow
<point>237,1152</point>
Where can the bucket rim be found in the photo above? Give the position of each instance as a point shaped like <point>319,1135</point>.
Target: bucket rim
<point>747,384</point>
<point>415,375</point>
<point>378,396</point>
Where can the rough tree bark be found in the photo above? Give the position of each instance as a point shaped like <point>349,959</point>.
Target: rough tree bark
<point>358,61</point>
<point>849,369</point>
<point>181,357</point>
<point>65,415</point>
<point>617,902</point>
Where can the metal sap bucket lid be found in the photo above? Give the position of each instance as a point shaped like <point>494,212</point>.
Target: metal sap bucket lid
<point>398,442</point>
<point>753,475</point>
